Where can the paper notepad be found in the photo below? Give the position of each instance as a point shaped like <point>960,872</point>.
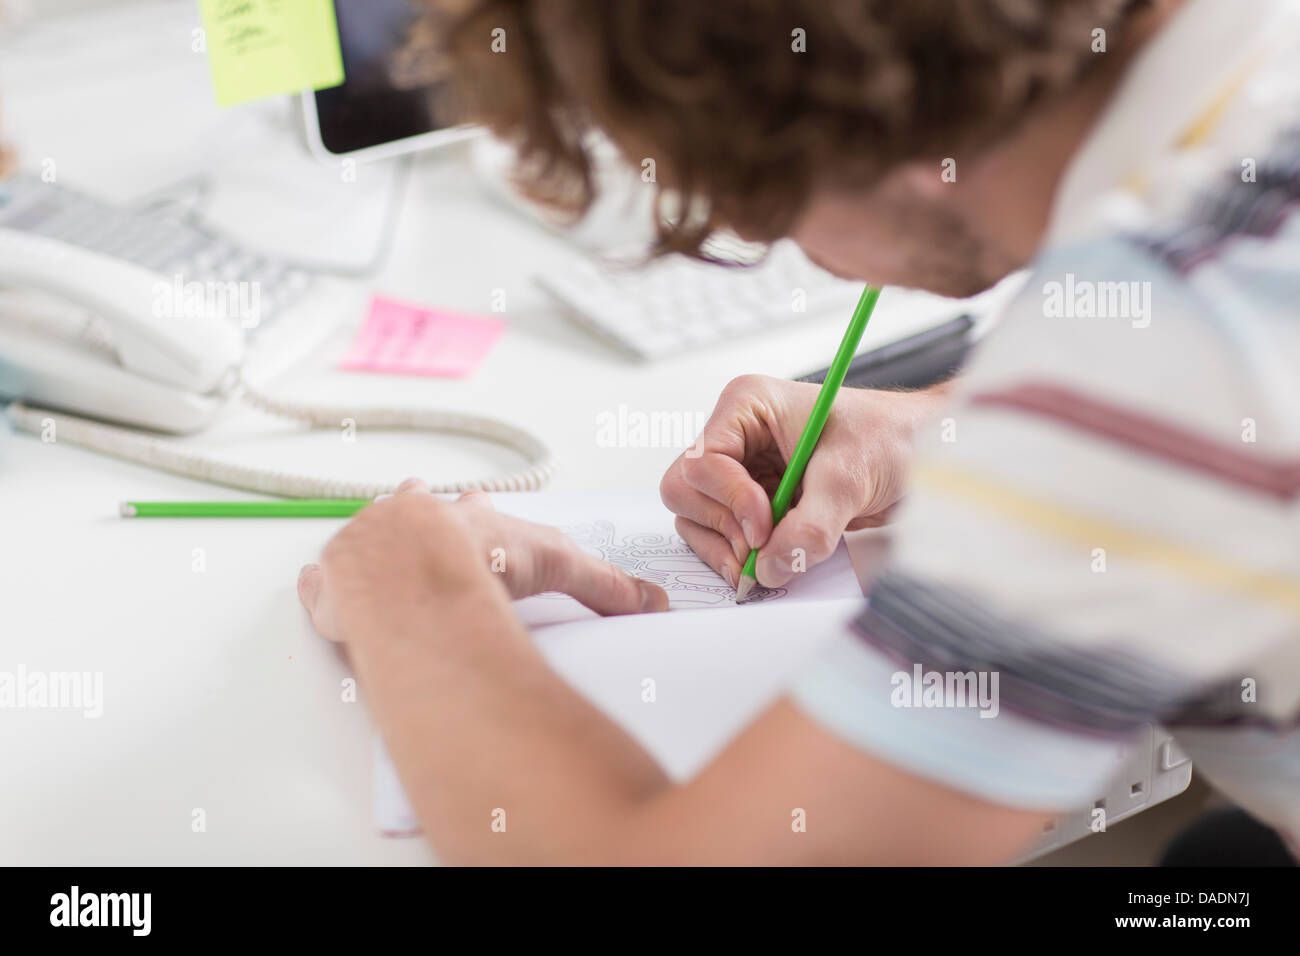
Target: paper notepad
<point>411,340</point>
<point>713,664</point>
<point>260,48</point>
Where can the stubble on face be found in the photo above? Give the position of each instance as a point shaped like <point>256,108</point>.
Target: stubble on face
<point>900,240</point>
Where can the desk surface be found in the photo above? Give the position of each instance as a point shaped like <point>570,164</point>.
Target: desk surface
<point>217,695</point>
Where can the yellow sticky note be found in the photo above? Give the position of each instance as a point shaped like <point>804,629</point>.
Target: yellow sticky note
<point>260,48</point>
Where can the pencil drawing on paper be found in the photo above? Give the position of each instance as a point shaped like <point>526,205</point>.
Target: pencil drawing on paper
<point>665,560</point>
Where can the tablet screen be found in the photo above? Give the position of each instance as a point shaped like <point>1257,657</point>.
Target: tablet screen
<point>373,106</point>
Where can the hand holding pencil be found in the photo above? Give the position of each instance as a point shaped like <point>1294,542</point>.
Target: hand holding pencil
<point>722,490</point>
<point>812,431</point>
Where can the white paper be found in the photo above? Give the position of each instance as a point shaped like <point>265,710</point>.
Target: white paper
<point>634,531</point>
<point>394,815</point>
<point>684,682</point>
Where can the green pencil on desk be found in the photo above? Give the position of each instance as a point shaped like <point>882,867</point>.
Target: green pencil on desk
<point>812,431</point>
<point>286,508</point>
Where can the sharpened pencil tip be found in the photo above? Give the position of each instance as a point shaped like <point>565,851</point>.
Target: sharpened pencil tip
<point>742,590</point>
<point>126,509</point>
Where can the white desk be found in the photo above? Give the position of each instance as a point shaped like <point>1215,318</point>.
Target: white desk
<point>217,694</point>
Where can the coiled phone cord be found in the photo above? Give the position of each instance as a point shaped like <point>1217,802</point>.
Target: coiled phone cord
<point>171,456</point>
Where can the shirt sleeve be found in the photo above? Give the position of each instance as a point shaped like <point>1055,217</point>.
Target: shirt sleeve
<point>1099,534</point>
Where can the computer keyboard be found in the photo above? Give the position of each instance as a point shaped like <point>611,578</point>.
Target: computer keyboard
<point>676,303</point>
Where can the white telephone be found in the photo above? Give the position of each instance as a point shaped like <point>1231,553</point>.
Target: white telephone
<point>95,316</point>
<point>96,323</point>
<point>86,341</point>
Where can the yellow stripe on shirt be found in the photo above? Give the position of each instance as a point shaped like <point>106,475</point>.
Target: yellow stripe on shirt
<point>1069,525</point>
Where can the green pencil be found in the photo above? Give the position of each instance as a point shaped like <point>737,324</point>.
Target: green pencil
<point>813,429</point>
<point>286,508</point>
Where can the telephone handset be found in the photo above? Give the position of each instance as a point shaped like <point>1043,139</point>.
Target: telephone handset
<point>95,328</point>
<point>78,332</point>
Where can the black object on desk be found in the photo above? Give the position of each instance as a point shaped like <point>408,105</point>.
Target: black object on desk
<point>918,361</point>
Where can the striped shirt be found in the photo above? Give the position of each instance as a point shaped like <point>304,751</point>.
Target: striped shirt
<point>1103,530</point>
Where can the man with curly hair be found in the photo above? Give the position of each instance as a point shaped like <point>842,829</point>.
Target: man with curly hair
<point>1100,515</point>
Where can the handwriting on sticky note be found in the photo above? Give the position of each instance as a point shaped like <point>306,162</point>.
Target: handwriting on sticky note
<point>260,48</point>
<point>411,340</point>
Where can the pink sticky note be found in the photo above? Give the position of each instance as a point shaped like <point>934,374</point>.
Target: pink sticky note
<point>412,340</point>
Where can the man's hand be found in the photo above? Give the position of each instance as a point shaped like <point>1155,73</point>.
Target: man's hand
<point>721,488</point>
<point>481,729</point>
<point>404,552</point>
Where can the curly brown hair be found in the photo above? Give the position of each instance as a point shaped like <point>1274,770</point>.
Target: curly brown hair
<point>743,113</point>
